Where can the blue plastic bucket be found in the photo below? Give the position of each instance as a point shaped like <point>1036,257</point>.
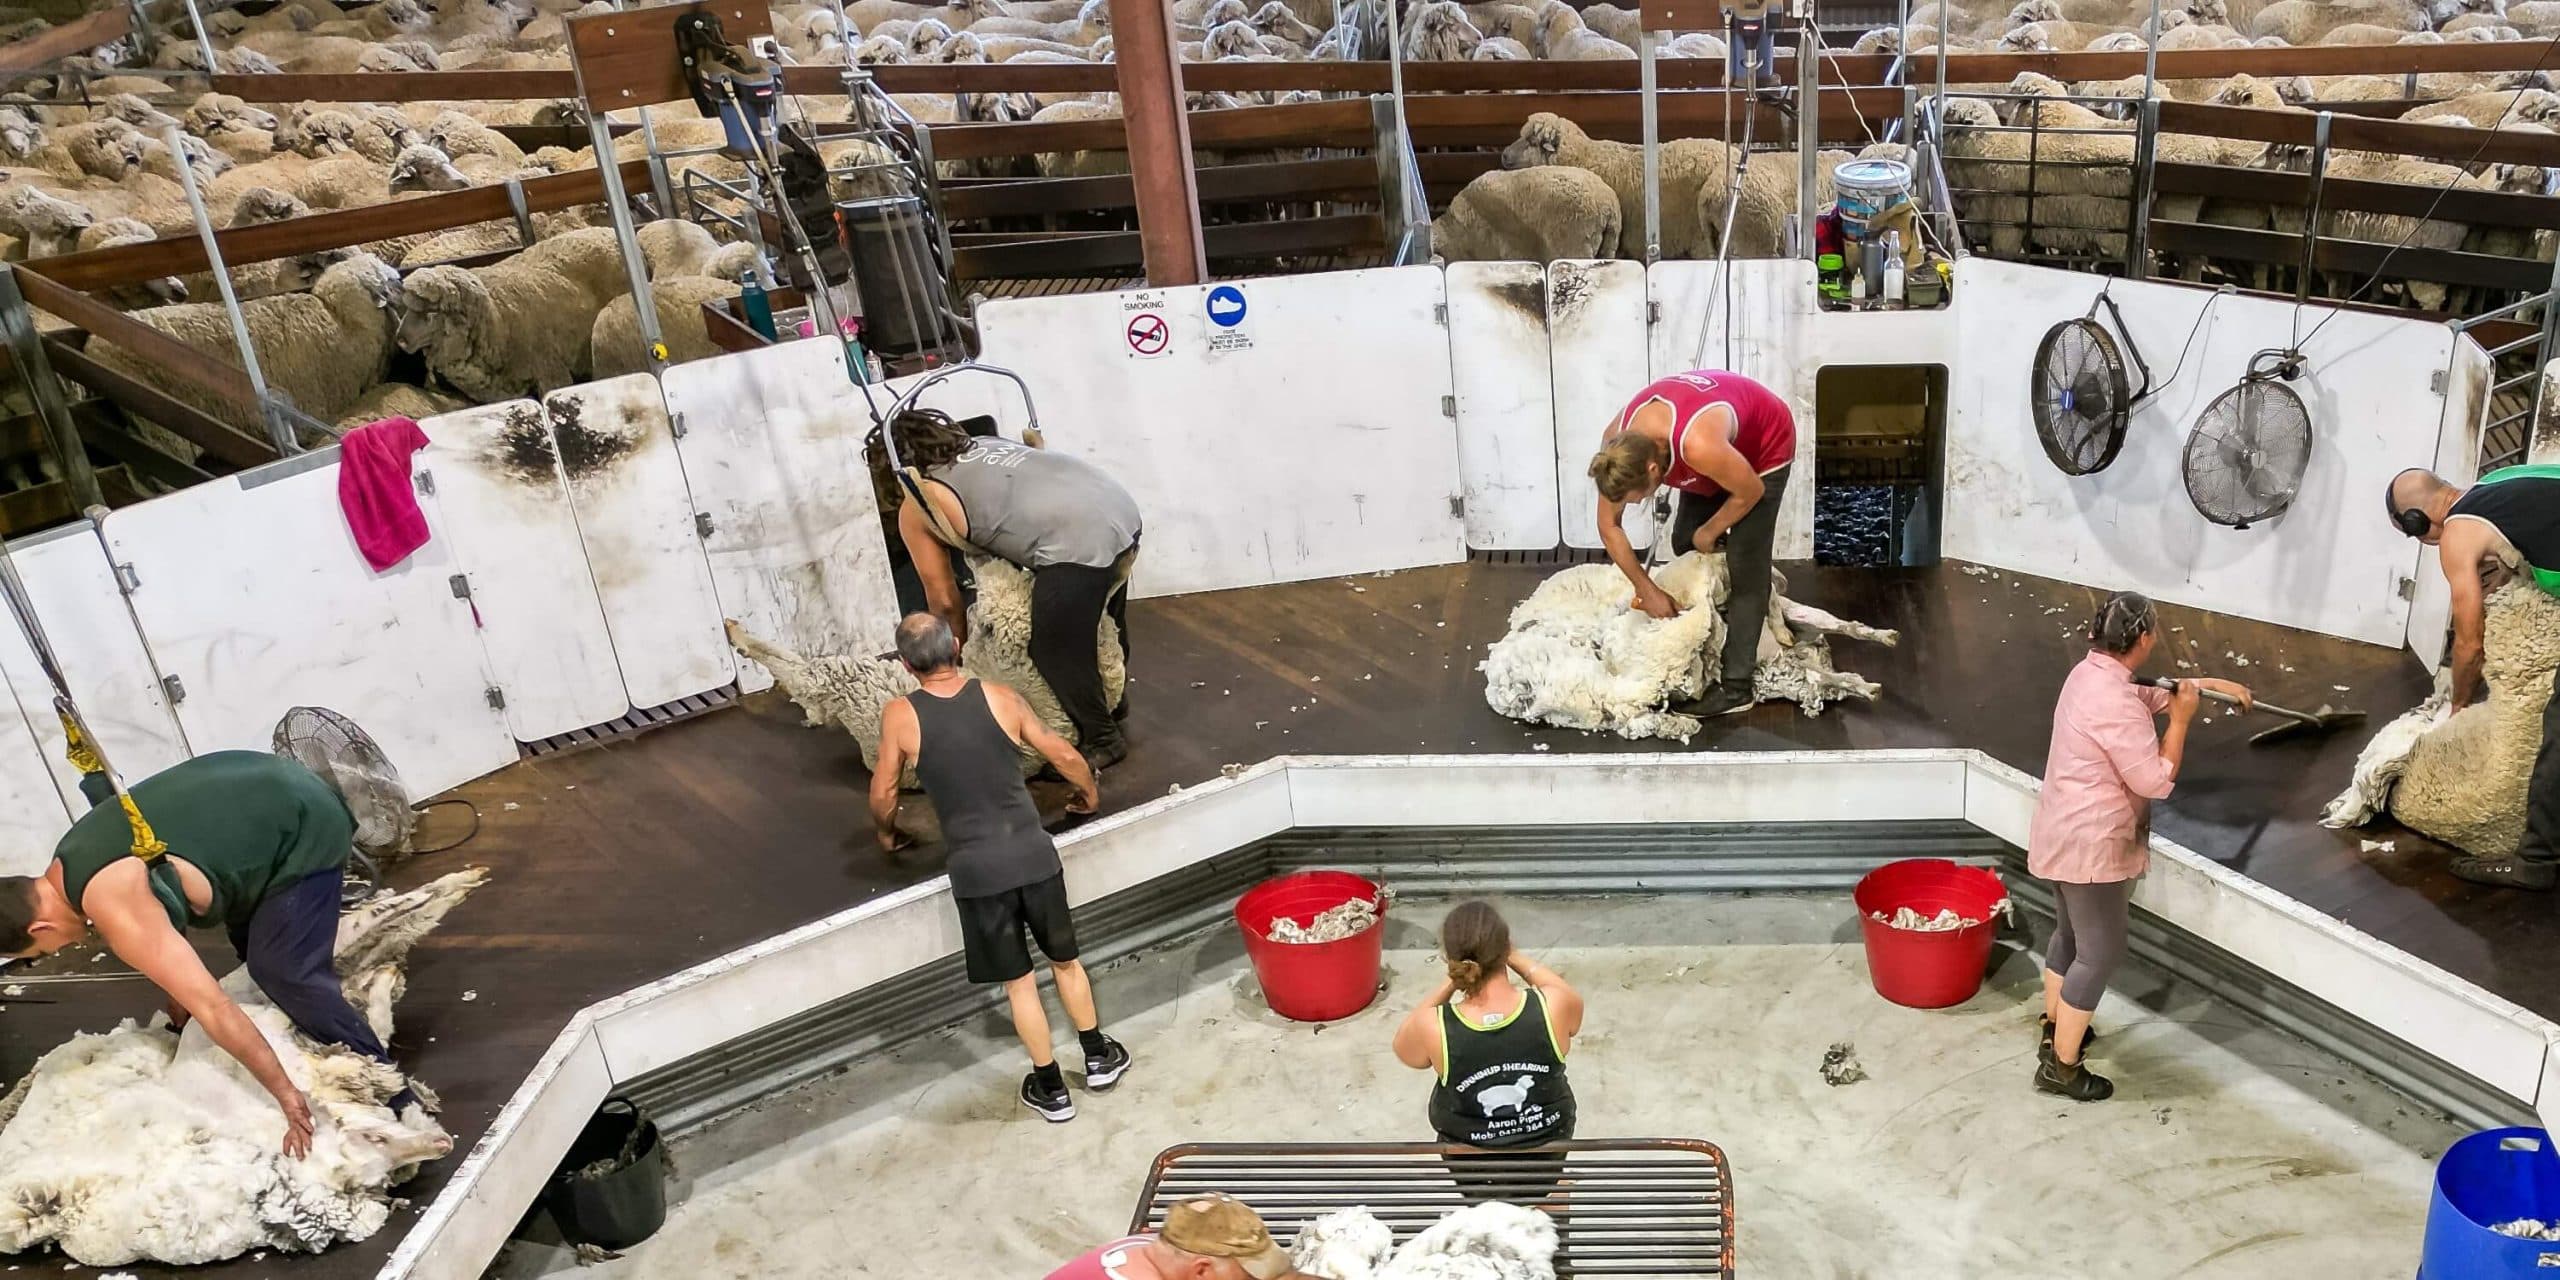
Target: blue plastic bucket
<point>2493,1176</point>
<point>1867,190</point>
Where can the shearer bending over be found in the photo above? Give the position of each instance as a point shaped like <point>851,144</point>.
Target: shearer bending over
<point>964,736</point>
<point>2510,518</point>
<point>257,845</point>
<point>1073,527</point>
<point>1725,442</point>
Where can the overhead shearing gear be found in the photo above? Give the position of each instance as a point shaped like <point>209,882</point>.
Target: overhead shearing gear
<point>80,745</point>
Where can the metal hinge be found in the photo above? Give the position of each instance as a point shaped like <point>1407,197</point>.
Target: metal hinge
<point>461,585</point>
<point>1439,313</point>
<point>1652,312</point>
<point>127,580</point>
<point>1448,406</point>
<point>172,691</point>
<point>497,698</point>
<point>1457,506</point>
<point>702,524</point>
<point>2435,381</point>
<point>2408,588</point>
<point>427,483</point>
<point>675,425</point>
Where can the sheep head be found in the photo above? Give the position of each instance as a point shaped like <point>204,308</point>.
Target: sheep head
<point>397,55</point>
<point>131,109</point>
<point>2171,20</point>
<point>2030,12</point>
<point>32,214</point>
<point>1095,15</point>
<point>2524,179</point>
<point>1885,41</point>
<point>1556,21</point>
<point>1968,113</point>
<point>2440,12</point>
<point>2212,13</point>
<point>323,133</point>
<point>220,112</point>
<point>200,157</point>
<point>456,134</point>
<point>21,133</point>
<point>1543,137</point>
<point>1221,12</point>
<point>2036,84</point>
<point>2526,84</point>
<point>107,149</point>
<point>374,1148</point>
<point>441,310</point>
<point>928,35</point>
<point>406,16</point>
<point>1235,39</point>
<point>964,47</point>
<point>265,204</point>
<point>2239,91</point>
<point>1440,32</point>
<point>1500,49</point>
<point>877,51</point>
<point>421,167</point>
<point>1275,19</point>
<point>2026,40</point>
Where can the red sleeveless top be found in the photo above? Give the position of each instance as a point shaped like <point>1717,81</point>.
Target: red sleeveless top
<point>1764,431</point>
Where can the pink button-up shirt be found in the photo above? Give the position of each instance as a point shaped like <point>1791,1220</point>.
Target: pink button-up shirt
<point>2093,819</point>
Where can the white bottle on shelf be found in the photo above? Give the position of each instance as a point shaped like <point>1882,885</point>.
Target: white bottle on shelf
<point>1893,268</point>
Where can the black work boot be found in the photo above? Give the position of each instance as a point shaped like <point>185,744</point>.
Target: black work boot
<point>2072,1080</point>
<point>1103,755</point>
<point>2045,1033</point>
<point>2506,873</point>
<point>1724,698</point>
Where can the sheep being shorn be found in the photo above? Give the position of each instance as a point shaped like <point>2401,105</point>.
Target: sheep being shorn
<point>849,691</point>
<point>143,1144</point>
<point>1579,656</point>
<point>2461,778</point>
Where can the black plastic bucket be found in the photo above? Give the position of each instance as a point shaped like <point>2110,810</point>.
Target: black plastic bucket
<point>611,1189</point>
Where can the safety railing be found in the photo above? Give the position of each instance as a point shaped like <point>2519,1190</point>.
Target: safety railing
<point>2027,199</point>
<point>2518,340</point>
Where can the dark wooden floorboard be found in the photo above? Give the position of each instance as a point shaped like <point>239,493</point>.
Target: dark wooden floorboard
<point>619,864</point>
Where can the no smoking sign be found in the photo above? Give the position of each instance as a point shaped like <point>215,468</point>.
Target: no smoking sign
<point>1148,335</point>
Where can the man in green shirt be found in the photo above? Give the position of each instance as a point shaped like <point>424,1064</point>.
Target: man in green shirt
<point>256,844</point>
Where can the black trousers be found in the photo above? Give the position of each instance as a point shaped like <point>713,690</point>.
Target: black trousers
<point>1748,547</point>
<point>290,946</point>
<point>2542,795</point>
<point>1068,602</point>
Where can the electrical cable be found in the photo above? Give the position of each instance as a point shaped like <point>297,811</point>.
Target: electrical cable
<point>2192,331</point>
<point>466,836</point>
<point>2462,170</point>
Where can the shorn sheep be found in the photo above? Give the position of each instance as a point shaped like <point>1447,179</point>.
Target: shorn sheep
<point>849,691</point>
<point>2461,778</point>
<point>1578,655</point>
<point>144,1144</point>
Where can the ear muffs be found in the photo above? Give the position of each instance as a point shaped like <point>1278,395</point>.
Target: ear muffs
<point>2408,520</point>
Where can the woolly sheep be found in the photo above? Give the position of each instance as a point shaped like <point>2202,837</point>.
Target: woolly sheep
<point>46,224</point>
<point>147,1144</point>
<point>117,232</point>
<point>1688,166</point>
<point>2461,778</point>
<point>93,149</point>
<point>1091,22</point>
<point>397,400</point>
<point>615,342</point>
<point>850,691</point>
<point>458,135</point>
<point>1563,37</point>
<point>1439,31</point>
<point>2303,22</point>
<point>243,132</point>
<point>1501,49</point>
<point>1578,655</point>
<point>1530,215</point>
<point>498,332</point>
<point>322,350</point>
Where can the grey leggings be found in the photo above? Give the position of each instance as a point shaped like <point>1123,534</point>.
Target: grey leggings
<point>2089,922</point>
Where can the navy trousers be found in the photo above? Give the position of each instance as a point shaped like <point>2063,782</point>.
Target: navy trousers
<point>290,947</point>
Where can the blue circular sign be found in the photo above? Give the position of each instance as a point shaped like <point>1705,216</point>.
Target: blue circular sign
<point>1226,306</point>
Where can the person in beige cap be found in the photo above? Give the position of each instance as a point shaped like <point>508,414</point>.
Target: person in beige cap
<point>1209,1237</point>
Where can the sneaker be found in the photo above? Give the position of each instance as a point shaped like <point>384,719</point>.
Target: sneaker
<point>1103,1070</point>
<point>2074,1081</point>
<point>1054,1106</point>
<point>2506,873</point>
<point>1725,698</point>
<point>1105,755</point>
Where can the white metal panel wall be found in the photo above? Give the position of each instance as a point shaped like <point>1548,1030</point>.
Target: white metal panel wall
<point>1506,404</point>
<point>33,810</point>
<point>499,498</point>
<point>773,452</point>
<point>2469,375</point>
<point>254,596</point>
<point>1598,359</point>
<point>636,518</point>
<point>1311,442</point>
<point>2332,564</point>
<point>92,633</point>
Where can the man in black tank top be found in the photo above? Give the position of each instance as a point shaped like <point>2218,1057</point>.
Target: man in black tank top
<point>2510,516</point>
<point>964,738</point>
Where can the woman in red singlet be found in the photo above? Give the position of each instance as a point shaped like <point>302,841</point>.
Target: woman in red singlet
<point>1725,442</point>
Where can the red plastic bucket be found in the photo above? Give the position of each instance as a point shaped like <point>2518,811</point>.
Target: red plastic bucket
<point>1312,981</point>
<point>1928,970</point>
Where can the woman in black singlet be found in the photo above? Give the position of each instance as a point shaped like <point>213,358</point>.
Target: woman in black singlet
<point>1497,1048</point>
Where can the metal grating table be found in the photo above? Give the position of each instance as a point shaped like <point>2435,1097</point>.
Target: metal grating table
<point>1650,1207</point>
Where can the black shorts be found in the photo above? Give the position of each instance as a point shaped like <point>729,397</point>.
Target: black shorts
<point>1520,1175</point>
<point>991,929</point>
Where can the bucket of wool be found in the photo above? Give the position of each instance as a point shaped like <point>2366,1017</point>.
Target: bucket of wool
<point>1929,925</point>
<point>1317,940</point>
<point>611,1189</point>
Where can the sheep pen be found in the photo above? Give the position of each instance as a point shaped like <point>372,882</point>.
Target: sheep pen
<point>146,1144</point>
<point>2461,776</point>
<point>1578,655</point>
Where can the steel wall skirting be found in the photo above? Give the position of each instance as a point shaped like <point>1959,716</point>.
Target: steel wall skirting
<point>816,997</point>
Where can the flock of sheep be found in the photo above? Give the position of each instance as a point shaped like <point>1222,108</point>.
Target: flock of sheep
<point>104,173</point>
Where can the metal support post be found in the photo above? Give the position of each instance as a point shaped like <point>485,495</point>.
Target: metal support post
<point>2311,214</point>
<point>1651,103</point>
<point>1808,133</point>
<point>2542,435</point>
<point>26,350</point>
<point>523,214</point>
<point>1395,56</point>
<point>2146,158</point>
<point>204,42</point>
<point>618,203</point>
<point>1147,70</point>
<point>279,429</point>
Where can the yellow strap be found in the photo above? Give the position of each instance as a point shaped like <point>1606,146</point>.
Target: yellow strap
<point>146,845</point>
<point>76,748</point>
<point>84,757</point>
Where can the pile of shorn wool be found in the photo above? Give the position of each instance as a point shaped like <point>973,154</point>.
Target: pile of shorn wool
<point>1579,655</point>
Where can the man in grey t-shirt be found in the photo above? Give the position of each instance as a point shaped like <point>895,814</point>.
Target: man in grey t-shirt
<point>1062,518</point>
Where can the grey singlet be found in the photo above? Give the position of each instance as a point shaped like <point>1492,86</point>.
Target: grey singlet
<point>1036,508</point>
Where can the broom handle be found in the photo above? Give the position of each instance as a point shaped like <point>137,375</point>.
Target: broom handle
<point>2164,682</point>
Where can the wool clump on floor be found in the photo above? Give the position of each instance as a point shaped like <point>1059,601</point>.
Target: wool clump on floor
<point>850,692</point>
<point>1580,656</point>
<point>2461,778</point>
<point>1492,1241</point>
<point>144,1144</point>
<point>1333,924</point>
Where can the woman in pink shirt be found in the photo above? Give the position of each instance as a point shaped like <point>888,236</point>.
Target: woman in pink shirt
<point>2092,828</point>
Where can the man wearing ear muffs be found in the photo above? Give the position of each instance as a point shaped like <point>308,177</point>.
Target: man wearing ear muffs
<point>2510,517</point>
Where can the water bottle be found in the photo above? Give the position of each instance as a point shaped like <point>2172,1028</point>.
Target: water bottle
<point>759,308</point>
<point>1893,269</point>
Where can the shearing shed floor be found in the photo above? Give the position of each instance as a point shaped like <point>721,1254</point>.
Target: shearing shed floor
<point>2230,1150</point>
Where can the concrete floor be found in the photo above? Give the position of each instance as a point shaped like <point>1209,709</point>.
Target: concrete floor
<point>2229,1150</point>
